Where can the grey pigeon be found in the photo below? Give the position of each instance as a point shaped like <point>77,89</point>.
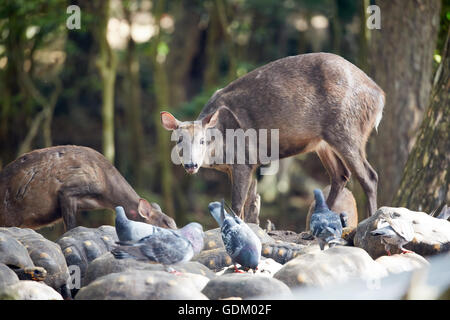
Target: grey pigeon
<point>167,247</point>
<point>241,243</point>
<point>131,231</point>
<point>394,233</point>
<point>326,225</point>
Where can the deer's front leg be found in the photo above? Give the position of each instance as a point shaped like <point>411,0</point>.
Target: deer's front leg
<point>241,178</point>
<point>252,204</point>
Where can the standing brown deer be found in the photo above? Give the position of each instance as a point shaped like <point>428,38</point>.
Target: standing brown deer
<point>319,102</point>
<point>45,185</point>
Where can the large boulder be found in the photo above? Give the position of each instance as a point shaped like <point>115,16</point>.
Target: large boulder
<point>334,265</point>
<point>7,276</point>
<point>432,235</point>
<point>244,286</point>
<point>141,285</point>
<point>107,264</point>
<point>399,263</point>
<point>29,290</point>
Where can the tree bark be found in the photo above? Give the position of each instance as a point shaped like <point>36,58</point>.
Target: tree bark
<point>426,180</point>
<point>133,110</point>
<point>107,65</point>
<point>401,64</point>
<point>161,92</point>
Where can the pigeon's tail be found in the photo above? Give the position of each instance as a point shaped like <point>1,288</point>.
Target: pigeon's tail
<point>445,213</point>
<point>215,208</point>
<point>320,200</point>
<point>120,213</point>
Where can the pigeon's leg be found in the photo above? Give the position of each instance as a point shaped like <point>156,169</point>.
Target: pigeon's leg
<point>241,176</point>
<point>236,270</point>
<point>405,250</point>
<point>387,248</point>
<point>172,271</point>
<point>336,169</point>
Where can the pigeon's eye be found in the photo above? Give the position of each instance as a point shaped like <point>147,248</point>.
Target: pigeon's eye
<point>202,141</point>
<point>180,139</point>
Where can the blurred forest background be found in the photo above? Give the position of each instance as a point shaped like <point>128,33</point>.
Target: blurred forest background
<point>103,86</point>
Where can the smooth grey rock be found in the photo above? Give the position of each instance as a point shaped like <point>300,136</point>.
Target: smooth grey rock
<point>244,286</point>
<point>431,235</point>
<point>398,263</point>
<point>333,265</point>
<point>7,276</point>
<point>107,264</point>
<point>141,285</point>
<point>29,290</point>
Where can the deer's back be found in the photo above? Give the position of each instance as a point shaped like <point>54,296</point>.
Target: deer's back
<point>30,184</point>
<point>306,90</point>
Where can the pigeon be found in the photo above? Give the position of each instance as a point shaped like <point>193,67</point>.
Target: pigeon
<point>394,233</point>
<point>445,213</point>
<point>326,225</point>
<point>131,231</point>
<point>166,247</point>
<point>241,243</point>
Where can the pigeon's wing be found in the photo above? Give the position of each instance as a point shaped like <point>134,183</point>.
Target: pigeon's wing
<point>403,227</point>
<point>232,236</point>
<point>317,224</point>
<point>326,224</point>
<point>386,231</point>
<point>140,229</point>
<point>166,248</point>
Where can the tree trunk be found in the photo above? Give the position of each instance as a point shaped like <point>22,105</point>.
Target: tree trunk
<point>401,64</point>
<point>426,180</point>
<point>133,110</point>
<point>106,63</point>
<point>161,92</point>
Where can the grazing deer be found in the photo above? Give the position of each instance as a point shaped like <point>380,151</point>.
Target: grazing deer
<point>45,185</point>
<point>319,102</point>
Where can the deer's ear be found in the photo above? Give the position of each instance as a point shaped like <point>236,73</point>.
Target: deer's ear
<point>145,209</point>
<point>168,121</point>
<point>211,119</point>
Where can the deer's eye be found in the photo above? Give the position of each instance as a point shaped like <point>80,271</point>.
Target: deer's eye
<point>202,141</point>
<point>180,139</point>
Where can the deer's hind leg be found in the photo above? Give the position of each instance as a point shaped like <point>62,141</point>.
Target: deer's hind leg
<point>338,172</point>
<point>252,203</point>
<point>351,150</point>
